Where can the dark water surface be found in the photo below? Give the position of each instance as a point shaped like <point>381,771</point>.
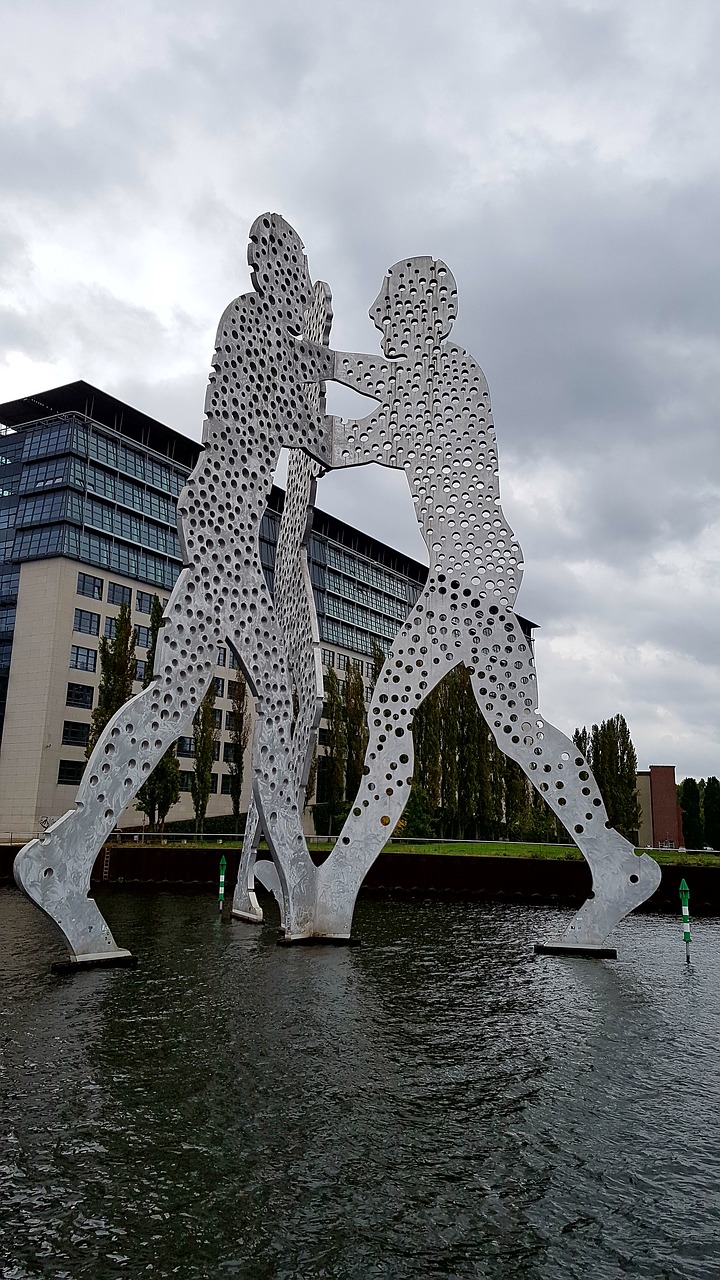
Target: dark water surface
<point>437,1102</point>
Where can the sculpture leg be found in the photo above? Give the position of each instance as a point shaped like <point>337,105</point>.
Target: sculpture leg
<point>55,870</point>
<point>404,682</point>
<point>261,655</point>
<point>245,904</point>
<point>621,879</point>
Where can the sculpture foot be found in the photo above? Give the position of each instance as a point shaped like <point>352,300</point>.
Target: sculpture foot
<point>55,875</point>
<point>619,888</point>
<point>574,949</point>
<point>250,916</point>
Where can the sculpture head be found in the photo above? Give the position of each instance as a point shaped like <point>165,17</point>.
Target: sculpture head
<point>418,300</point>
<point>279,269</point>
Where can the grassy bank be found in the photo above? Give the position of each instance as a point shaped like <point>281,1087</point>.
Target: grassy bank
<point>472,849</point>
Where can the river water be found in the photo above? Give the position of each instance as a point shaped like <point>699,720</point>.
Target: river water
<point>437,1102</point>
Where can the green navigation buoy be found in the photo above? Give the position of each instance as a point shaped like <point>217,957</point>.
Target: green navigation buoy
<point>685,899</point>
<point>221,893</point>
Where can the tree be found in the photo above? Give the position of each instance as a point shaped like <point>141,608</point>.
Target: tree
<point>689,798</point>
<point>239,740</point>
<point>205,739</point>
<point>426,737</point>
<point>416,822</point>
<point>117,672</point>
<point>336,756</point>
<point>611,755</point>
<point>311,778</point>
<point>712,813</point>
<point>356,731</point>
<point>162,789</point>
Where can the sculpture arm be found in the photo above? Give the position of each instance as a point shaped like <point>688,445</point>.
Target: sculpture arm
<point>316,362</point>
<point>367,374</point>
<point>370,375</point>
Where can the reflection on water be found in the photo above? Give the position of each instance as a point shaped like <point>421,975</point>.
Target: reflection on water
<point>435,1103</point>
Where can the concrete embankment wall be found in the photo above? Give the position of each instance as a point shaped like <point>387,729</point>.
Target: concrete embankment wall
<point>520,879</point>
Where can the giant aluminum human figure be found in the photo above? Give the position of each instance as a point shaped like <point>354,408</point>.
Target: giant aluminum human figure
<point>434,420</point>
<point>255,405</point>
<point>295,611</point>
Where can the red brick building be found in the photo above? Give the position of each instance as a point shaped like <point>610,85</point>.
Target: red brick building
<point>660,817</point>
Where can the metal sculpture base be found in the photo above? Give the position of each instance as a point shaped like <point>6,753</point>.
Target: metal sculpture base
<point>574,949</point>
<point>316,940</point>
<point>117,959</point>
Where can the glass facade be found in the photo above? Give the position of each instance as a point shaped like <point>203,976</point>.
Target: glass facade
<point>363,590</point>
<point>77,487</point>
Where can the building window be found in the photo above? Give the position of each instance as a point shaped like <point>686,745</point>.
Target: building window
<point>220,687</point>
<point>186,780</point>
<point>217,717</point>
<point>75,734</point>
<point>79,695</point>
<point>142,637</point>
<point>110,628</point>
<point>7,617</point>
<point>230,720</point>
<point>342,662</point>
<point>232,661</point>
<point>87,585</point>
<point>143,601</point>
<point>88,623</point>
<point>37,543</point>
<point>225,784</point>
<point>328,657</point>
<point>221,657</point>
<point>117,594</point>
<point>44,475</point>
<point>9,584</point>
<point>83,659</point>
<point>140,668</point>
<point>229,753</point>
<point>186,748</point>
<point>70,772</point>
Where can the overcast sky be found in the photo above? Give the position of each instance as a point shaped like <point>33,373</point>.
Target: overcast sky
<point>561,157</point>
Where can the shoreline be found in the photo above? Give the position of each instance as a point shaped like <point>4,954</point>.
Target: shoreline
<point>538,879</point>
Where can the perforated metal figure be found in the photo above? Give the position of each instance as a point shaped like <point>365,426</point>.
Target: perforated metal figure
<point>256,403</point>
<point>297,619</point>
<point>434,420</point>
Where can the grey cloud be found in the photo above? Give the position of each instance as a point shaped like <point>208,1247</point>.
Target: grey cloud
<point>586,269</point>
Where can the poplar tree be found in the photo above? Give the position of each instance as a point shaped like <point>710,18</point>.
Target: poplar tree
<point>239,740</point>
<point>692,825</point>
<point>205,739</point>
<point>712,813</point>
<point>117,672</point>
<point>336,756</point>
<point>162,789</point>
<point>356,730</point>
<point>611,755</point>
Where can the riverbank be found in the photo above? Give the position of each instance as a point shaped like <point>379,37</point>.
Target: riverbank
<point>544,874</point>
